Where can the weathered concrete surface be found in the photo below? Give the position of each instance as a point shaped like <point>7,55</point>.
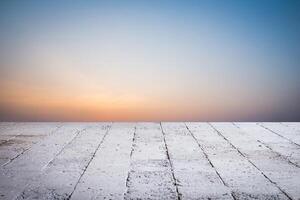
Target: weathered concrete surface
<point>149,160</point>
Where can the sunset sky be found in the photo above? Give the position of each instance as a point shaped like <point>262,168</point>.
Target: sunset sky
<point>149,60</point>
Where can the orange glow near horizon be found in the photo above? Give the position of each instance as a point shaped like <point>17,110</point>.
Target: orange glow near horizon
<point>36,104</point>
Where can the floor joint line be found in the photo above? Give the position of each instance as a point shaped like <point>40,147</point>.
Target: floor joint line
<point>91,159</point>
<point>171,164</point>
<point>261,125</point>
<point>25,150</point>
<point>209,161</point>
<point>131,153</point>
<point>242,154</point>
<point>277,153</point>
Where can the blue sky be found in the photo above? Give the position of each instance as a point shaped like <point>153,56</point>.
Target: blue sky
<point>150,60</point>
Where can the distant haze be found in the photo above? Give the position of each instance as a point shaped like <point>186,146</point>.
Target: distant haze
<point>150,60</point>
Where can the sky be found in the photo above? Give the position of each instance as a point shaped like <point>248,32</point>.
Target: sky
<point>149,60</point>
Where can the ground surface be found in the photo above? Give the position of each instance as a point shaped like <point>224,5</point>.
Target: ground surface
<point>149,161</point>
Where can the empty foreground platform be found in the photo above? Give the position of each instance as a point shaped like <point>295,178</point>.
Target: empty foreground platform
<point>149,161</point>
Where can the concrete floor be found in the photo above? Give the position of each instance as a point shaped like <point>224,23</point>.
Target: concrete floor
<point>149,160</point>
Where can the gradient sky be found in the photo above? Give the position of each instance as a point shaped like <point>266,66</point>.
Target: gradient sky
<point>149,60</point>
